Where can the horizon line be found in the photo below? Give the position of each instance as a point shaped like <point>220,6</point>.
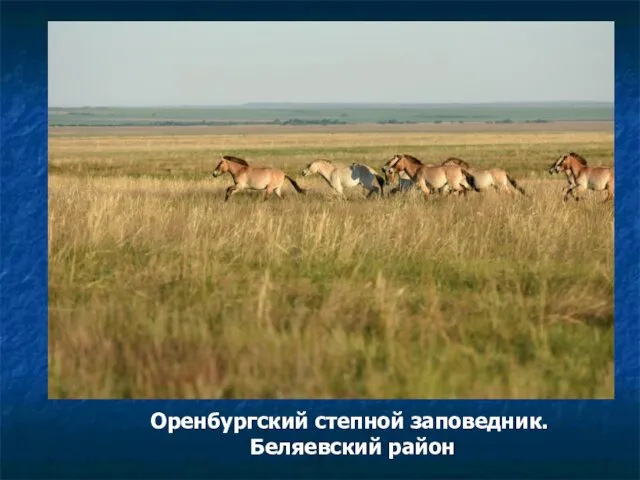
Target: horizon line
<point>369,104</point>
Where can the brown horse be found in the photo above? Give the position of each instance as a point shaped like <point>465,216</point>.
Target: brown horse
<point>497,178</point>
<point>253,178</point>
<point>405,183</point>
<point>581,177</point>
<point>429,177</point>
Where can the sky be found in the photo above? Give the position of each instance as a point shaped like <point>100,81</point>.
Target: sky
<point>231,63</point>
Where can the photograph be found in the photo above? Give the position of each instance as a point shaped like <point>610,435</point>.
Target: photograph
<point>331,210</point>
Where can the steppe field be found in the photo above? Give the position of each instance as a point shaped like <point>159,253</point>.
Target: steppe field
<point>159,289</point>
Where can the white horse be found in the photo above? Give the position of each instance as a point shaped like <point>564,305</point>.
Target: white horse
<point>340,177</point>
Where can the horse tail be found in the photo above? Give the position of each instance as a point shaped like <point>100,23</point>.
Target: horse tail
<point>295,184</point>
<point>378,177</point>
<point>471,180</point>
<point>380,182</point>
<point>515,185</point>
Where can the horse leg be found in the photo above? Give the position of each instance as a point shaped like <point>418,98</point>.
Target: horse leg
<point>267,193</point>
<point>609,189</point>
<point>573,191</point>
<point>568,191</point>
<point>278,192</point>
<point>337,186</point>
<point>580,188</point>
<point>230,191</point>
<point>374,189</point>
<point>423,186</point>
<point>502,188</point>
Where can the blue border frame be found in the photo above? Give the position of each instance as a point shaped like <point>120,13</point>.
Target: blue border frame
<point>107,439</point>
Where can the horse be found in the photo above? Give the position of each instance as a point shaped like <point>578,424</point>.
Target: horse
<point>405,183</point>
<point>581,177</point>
<point>340,177</point>
<point>430,177</point>
<point>253,178</point>
<point>497,178</point>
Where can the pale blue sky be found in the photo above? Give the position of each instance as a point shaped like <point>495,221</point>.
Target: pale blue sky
<point>226,63</point>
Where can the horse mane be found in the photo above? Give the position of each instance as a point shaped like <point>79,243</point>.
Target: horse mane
<point>231,158</point>
<point>457,161</point>
<point>412,159</point>
<point>579,157</point>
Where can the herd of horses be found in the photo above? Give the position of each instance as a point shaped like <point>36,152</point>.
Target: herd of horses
<point>454,175</point>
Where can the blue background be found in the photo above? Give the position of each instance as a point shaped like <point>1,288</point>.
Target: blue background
<point>102,439</point>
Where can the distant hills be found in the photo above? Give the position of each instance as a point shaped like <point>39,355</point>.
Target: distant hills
<point>422,105</point>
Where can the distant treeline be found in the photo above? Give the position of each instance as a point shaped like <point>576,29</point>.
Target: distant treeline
<point>291,121</point>
<point>212,123</point>
<point>508,120</point>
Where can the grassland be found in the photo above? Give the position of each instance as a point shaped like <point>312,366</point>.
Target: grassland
<point>159,289</point>
<point>330,113</point>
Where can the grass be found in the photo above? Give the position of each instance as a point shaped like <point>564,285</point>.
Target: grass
<point>158,289</point>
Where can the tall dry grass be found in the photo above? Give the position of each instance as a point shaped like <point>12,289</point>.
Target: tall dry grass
<point>159,289</point>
